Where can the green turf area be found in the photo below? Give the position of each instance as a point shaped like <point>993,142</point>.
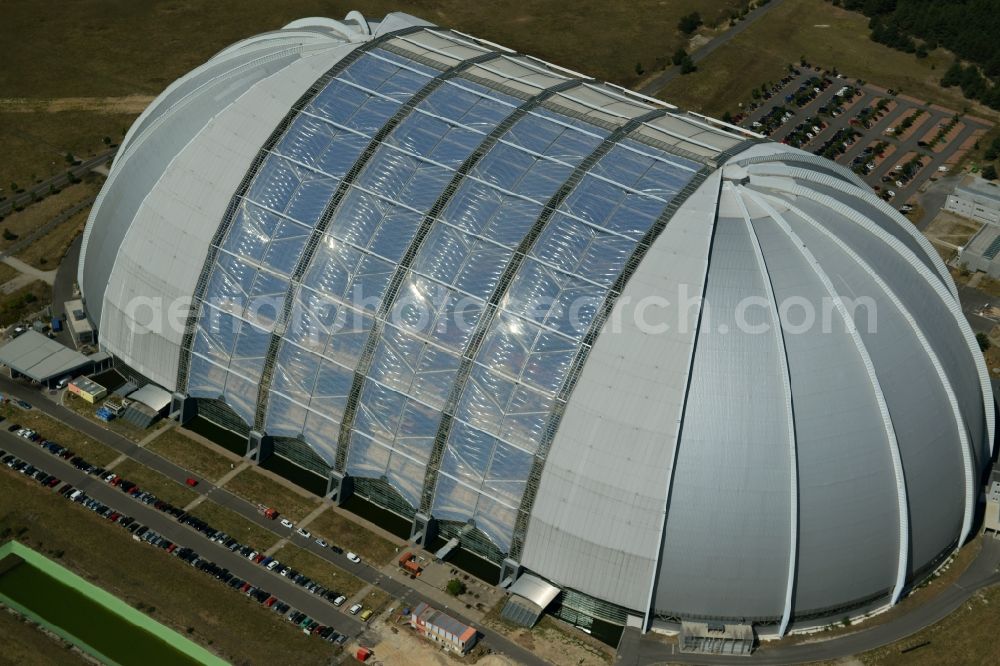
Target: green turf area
<point>328,575</point>
<point>161,586</point>
<point>825,35</point>
<point>235,525</point>
<point>338,529</point>
<point>94,452</point>
<point>175,445</point>
<point>252,485</point>
<point>154,482</point>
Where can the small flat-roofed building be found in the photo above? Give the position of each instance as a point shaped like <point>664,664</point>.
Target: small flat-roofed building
<point>87,389</point>
<point>976,199</point>
<point>79,325</point>
<point>442,628</point>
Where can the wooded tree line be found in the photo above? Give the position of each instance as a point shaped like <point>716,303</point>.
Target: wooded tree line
<point>968,28</point>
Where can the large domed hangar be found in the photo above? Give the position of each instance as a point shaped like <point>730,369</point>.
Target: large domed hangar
<point>535,316</point>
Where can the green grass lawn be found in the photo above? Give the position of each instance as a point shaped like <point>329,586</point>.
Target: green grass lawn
<point>825,35</point>
<point>252,485</point>
<point>333,526</point>
<point>176,446</point>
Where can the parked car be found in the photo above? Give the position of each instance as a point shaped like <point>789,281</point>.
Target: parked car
<point>302,532</point>
<point>355,609</point>
<point>321,543</point>
<point>191,482</point>
<point>287,523</point>
<point>353,558</point>
<point>366,614</point>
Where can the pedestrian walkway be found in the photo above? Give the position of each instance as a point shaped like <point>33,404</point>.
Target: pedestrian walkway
<point>29,271</point>
<point>236,469</point>
<point>156,433</point>
<point>276,546</point>
<point>314,513</point>
<point>117,461</point>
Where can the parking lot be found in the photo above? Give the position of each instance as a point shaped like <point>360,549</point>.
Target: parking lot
<point>894,142</point>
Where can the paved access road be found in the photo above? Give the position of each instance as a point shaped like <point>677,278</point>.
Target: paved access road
<point>284,589</point>
<point>660,81</point>
<point>42,189</point>
<point>364,571</point>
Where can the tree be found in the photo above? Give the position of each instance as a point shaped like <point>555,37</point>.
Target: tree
<point>689,23</point>
<point>953,76</point>
<point>687,65</point>
<point>990,172</point>
<point>638,69</point>
<point>679,56</point>
<point>727,117</point>
<point>984,341</point>
<point>455,587</point>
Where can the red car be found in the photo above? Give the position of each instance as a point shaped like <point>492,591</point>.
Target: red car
<point>191,482</point>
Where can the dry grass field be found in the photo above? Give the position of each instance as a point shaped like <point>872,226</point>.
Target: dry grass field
<point>823,34</point>
<point>77,72</point>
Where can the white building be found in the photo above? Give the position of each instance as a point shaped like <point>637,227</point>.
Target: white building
<point>976,199</point>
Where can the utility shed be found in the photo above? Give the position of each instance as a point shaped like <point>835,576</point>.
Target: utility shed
<point>40,359</point>
<point>79,324</point>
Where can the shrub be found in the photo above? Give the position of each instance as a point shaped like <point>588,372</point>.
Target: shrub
<point>455,587</point>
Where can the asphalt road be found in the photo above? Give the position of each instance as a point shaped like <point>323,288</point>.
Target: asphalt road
<point>62,288</point>
<point>660,81</point>
<point>221,496</point>
<point>297,597</point>
<point>43,188</point>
